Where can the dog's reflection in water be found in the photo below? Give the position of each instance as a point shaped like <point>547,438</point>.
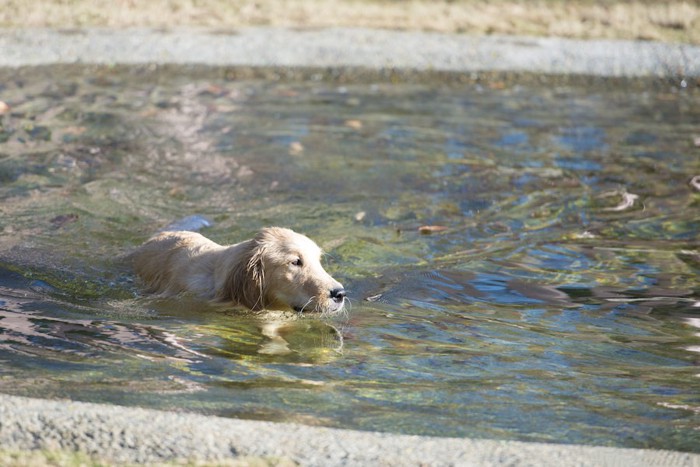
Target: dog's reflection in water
<point>284,337</point>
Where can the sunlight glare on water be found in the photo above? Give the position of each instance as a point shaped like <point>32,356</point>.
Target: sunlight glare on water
<point>521,260</point>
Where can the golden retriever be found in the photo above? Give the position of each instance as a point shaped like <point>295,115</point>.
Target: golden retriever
<point>278,269</point>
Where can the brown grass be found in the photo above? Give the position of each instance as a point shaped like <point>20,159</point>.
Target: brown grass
<point>64,458</point>
<point>673,20</point>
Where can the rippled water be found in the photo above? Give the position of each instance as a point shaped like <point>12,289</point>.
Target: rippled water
<point>555,297</point>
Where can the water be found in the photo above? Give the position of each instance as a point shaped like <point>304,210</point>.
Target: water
<point>555,298</point>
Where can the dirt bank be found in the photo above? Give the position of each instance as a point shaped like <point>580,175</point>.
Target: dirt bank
<point>670,21</point>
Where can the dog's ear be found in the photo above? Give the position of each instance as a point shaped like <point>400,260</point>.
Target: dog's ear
<point>246,278</point>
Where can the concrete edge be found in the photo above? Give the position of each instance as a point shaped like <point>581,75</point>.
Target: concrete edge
<point>350,48</point>
<point>133,435</point>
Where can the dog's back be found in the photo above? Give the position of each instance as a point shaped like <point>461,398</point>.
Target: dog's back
<point>164,263</point>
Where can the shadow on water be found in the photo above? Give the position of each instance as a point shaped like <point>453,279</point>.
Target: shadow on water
<point>522,259</point>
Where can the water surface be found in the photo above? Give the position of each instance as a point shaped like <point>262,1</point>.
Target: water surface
<point>555,298</point>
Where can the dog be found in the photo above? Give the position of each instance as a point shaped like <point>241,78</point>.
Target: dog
<point>278,269</point>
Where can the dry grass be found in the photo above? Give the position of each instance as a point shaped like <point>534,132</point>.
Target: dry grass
<point>673,20</point>
<point>63,458</point>
<point>45,459</point>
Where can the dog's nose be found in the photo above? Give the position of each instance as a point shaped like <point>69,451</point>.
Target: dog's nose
<point>338,294</point>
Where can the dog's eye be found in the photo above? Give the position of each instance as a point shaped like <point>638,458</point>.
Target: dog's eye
<point>297,262</point>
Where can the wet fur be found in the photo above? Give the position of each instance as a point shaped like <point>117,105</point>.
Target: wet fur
<point>259,273</point>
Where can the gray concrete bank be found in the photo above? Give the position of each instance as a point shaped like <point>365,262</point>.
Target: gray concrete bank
<point>362,48</point>
<point>128,435</point>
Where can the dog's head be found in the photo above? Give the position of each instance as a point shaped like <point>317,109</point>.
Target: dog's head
<point>281,269</point>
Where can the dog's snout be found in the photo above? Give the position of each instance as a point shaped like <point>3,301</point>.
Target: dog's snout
<point>338,294</point>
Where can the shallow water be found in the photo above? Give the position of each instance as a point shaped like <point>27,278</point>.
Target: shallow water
<point>556,299</point>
